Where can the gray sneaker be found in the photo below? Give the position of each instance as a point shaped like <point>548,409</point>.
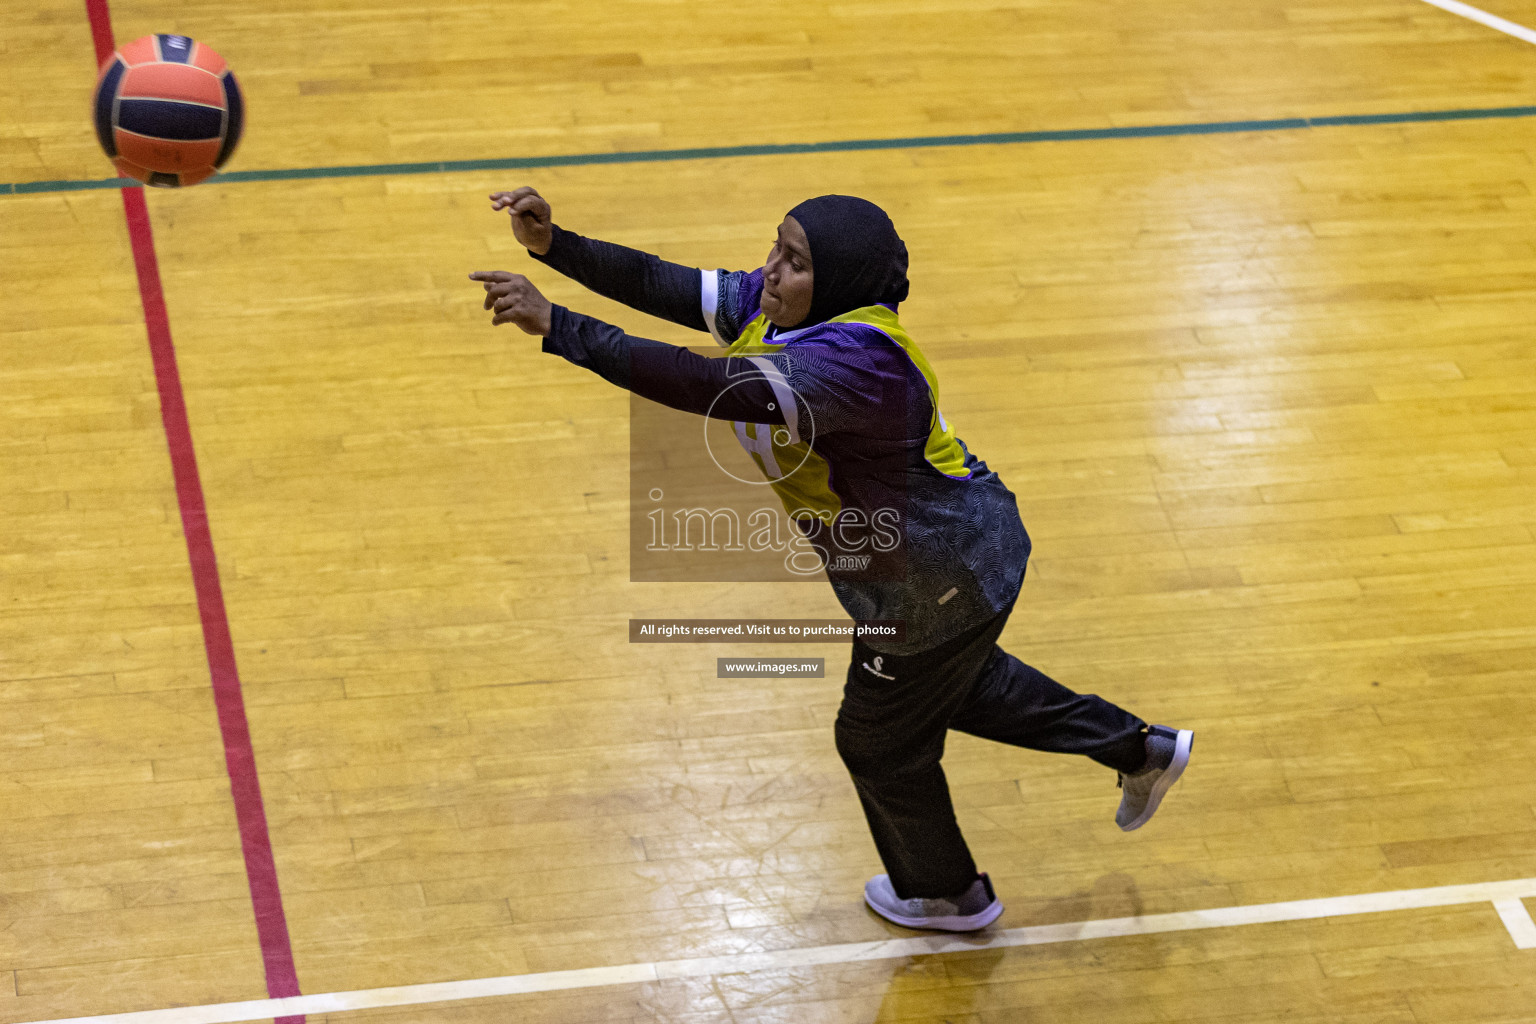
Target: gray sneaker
<point>975,908</point>
<point>1167,756</point>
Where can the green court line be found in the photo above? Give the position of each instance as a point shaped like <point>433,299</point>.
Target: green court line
<point>791,148</point>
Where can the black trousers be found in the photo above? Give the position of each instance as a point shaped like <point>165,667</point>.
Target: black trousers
<point>891,728</point>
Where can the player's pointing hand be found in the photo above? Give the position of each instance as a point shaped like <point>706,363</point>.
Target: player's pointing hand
<point>514,300</point>
<point>530,217</point>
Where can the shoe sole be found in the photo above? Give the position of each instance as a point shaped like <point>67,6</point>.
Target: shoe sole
<point>969,923</point>
<point>1181,751</point>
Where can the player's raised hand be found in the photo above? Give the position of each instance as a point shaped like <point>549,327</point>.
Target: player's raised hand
<point>514,300</point>
<point>530,217</point>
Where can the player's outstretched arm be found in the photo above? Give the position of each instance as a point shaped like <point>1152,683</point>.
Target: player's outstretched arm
<point>729,389</point>
<point>637,279</point>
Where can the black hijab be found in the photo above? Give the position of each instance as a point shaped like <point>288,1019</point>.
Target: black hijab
<point>857,259</point>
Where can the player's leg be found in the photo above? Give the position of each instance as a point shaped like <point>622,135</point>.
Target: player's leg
<point>890,733</point>
<point>1015,703</point>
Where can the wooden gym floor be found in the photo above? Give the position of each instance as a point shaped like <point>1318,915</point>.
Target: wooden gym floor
<point>1267,398</point>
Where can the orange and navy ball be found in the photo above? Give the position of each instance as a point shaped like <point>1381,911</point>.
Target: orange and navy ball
<point>168,110</point>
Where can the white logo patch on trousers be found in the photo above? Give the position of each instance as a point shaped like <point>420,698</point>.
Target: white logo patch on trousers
<point>875,669</point>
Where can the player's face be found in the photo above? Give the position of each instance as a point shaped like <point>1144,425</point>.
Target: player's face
<point>787,276</point>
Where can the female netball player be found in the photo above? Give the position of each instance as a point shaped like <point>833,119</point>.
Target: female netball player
<point>822,377</point>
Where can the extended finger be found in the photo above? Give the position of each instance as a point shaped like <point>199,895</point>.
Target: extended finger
<point>493,292</point>
<point>490,275</point>
<point>497,293</point>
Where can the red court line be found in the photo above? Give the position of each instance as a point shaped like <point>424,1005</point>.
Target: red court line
<point>101,29</point>
<point>239,758</point>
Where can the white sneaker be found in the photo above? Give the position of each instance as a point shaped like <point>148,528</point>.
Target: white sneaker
<point>975,908</point>
<point>1167,757</point>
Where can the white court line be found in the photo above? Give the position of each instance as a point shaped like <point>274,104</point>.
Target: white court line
<point>1493,21</point>
<point>1505,896</point>
<point>1518,920</point>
